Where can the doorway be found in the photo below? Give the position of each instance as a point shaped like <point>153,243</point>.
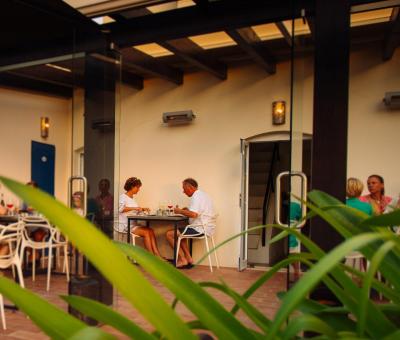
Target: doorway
<point>264,157</point>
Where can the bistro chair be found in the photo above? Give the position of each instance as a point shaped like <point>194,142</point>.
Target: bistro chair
<point>52,241</point>
<point>206,220</point>
<point>11,236</point>
<point>121,233</point>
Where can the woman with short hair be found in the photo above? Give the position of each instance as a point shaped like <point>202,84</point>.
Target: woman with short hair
<point>354,190</point>
<point>127,203</point>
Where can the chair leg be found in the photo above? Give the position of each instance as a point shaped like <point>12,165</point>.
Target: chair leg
<point>13,271</point>
<point>66,261</point>
<point>215,252</point>
<point>3,316</point>
<point>33,264</point>
<point>20,276</point>
<point>209,256</point>
<point>178,244</point>
<point>50,260</point>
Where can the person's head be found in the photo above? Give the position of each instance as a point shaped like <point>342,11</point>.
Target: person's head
<point>77,199</point>
<point>354,187</point>
<point>189,186</point>
<point>376,184</point>
<point>104,185</point>
<point>32,184</point>
<point>132,185</point>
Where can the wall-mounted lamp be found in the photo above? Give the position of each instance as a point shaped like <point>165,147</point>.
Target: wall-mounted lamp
<point>278,112</point>
<point>44,127</point>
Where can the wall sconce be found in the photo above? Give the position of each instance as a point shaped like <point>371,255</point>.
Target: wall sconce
<point>278,112</point>
<point>44,127</point>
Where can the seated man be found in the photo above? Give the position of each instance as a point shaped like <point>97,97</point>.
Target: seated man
<point>200,209</point>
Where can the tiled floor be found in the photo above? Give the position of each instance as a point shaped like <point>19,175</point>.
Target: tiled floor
<point>20,327</point>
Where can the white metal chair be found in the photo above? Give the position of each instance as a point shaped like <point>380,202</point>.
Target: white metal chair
<point>52,240</point>
<point>206,222</point>
<point>121,232</point>
<point>11,236</point>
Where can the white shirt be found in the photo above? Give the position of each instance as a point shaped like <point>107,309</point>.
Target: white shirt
<point>125,201</point>
<point>201,204</point>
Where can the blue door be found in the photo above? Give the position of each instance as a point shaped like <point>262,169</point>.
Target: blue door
<point>42,165</point>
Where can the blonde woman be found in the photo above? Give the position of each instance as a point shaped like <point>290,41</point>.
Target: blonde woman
<point>353,191</point>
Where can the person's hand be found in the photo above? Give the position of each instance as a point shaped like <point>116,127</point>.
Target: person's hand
<point>177,210</point>
<point>146,209</point>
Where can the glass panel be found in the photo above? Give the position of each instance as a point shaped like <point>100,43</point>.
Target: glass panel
<point>373,107</point>
<point>300,129</point>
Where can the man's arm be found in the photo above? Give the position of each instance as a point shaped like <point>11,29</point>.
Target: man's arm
<point>186,212</point>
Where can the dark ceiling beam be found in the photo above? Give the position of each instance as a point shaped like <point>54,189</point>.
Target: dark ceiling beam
<point>286,35</point>
<point>15,81</point>
<point>138,61</point>
<point>247,40</point>
<point>392,38</point>
<point>311,25</point>
<point>187,50</point>
<point>132,80</point>
<point>216,16</point>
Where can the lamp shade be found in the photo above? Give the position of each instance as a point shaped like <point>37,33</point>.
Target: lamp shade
<point>278,112</point>
<point>44,127</point>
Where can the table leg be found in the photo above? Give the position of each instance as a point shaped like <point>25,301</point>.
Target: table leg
<point>175,242</point>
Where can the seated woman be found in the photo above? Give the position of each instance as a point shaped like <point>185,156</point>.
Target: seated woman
<point>354,189</point>
<point>376,197</point>
<point>126,204</point>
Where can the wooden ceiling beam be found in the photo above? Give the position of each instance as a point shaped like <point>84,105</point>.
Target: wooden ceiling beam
<point>189,51</point>
<point>392,38</point>
<point>193,20</point>
<point>286,35</point>
<point>247,40</point>
<point>138,61</point>
<point>16,81</point>
<point>132,80</point>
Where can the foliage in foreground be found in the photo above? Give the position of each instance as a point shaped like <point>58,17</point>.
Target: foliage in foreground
<point>358,317</point>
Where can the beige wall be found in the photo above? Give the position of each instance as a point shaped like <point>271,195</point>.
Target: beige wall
<point>20,114</point>
<point>239,107</point>
<point>208,149</point>
<point>374,129</point>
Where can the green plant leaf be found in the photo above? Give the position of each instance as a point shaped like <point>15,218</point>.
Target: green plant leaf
<point>207,309</point>
<point>107,315</point>
<point>91,333</point>
<point>348,223</point>
<point>255,315</point>
<point>384,220</point>
<point>312,277</point>
<point>108,259</point>
<point>365,291</point>
<point>308,323</point>
<point>56,323</point>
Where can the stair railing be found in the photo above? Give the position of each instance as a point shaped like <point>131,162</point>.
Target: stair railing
<point>269,189</point>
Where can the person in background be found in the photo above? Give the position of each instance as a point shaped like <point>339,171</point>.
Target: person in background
<point>376,196</point>
<point>105,201</point>
<point>200,204</point>
<point>127,203</point>
<point>354,189</point>
<point>77,202</point>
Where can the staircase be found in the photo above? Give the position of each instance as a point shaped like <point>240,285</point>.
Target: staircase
<point>260,157</point>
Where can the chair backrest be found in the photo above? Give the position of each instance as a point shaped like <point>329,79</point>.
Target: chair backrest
<point>31,227</point>
<point>34,219</point>
<point>11,235</point>
<point>209,223</point>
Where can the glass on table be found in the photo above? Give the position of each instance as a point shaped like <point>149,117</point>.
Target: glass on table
<point>170,209</point>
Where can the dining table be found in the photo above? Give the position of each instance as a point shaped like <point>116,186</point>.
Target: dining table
<point>174,220</point>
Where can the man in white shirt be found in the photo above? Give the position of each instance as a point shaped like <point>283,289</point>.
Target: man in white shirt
<point>200,211</point>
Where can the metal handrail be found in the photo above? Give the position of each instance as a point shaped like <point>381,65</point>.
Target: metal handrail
<point>268,190</point>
